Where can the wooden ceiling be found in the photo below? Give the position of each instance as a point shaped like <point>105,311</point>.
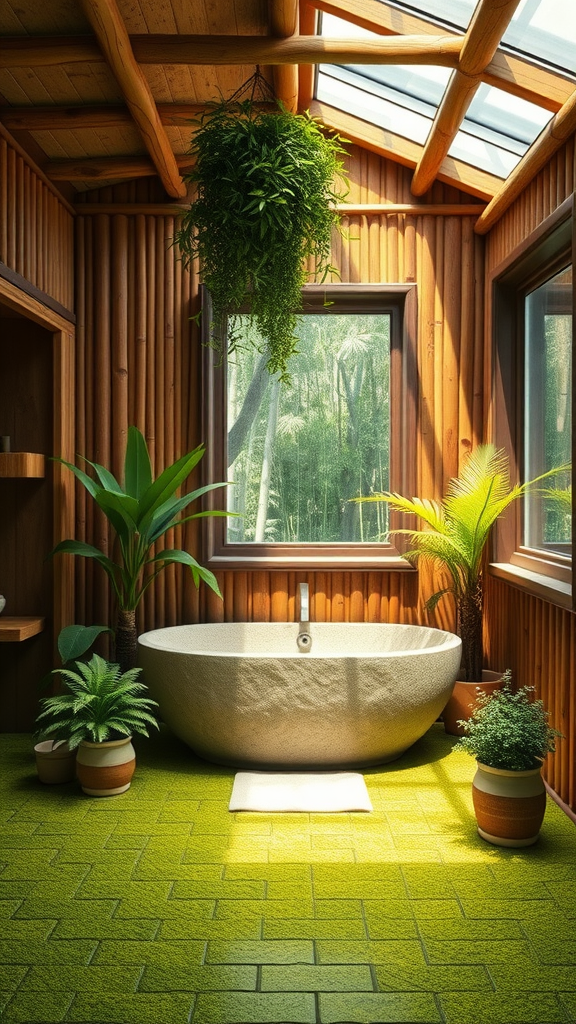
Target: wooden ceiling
<point>99,91</point>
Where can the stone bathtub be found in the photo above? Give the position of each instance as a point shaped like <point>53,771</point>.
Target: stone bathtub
<point>242,694</point>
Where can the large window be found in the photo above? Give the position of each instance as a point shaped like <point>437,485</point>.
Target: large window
<point>297,454</point>
<point>533,389</point>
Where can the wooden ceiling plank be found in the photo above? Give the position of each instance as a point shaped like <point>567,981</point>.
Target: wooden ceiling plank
<point>283,19</point>
<point>112,36</point>
<point>511,74</point>
<point>486,28</point>
<point>403,151</point>
<point>554,135</point>
<point>113,168</point>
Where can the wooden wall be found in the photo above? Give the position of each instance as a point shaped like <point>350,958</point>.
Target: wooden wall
<point>534,638</point>
<point>138,360</point>
<point>36,225</point>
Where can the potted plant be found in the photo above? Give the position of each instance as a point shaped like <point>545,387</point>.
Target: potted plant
<point>97,714</point>
<point>55,761</point>
<point>140,512</point>
<point>265,200</point>
<point>509,735</point>
<point>457,531</point>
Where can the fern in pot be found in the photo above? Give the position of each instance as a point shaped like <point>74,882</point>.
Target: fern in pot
<point>98,712</point>
<point>266,185</point>
<point>509,735</point>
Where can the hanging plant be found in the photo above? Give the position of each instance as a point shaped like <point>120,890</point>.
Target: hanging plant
<point>266,189</point>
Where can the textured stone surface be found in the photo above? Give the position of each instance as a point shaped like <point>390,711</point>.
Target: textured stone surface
<point>243,694</point>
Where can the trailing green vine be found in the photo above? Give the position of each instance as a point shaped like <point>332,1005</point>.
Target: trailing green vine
<point>266,189</point>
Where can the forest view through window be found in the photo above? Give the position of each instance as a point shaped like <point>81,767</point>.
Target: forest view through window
<point>297,453</point>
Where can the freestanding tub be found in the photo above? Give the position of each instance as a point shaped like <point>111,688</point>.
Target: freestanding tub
<point>242,694</point>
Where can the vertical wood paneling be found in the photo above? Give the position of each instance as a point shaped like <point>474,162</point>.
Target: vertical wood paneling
<point>36,227</point>
<point>536,639</point>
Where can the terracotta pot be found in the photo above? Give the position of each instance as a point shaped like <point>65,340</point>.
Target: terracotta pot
<point>55,763</point>
<point>463,699</point>
<point>105,769</point>
<point>509,805</point>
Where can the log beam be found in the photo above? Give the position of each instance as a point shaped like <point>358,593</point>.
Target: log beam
<point>106,21</point>
<point>553,136</point>
<point>110,168</point>
<point>56,118</point>
<point>187,50</point>
<point>283,19</point>
<point>488,24</point>
<point>308,24</point>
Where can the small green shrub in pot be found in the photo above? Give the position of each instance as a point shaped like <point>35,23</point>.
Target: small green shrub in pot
<point>509,734</point>
<point>98,713</point>
<point>509,729</point>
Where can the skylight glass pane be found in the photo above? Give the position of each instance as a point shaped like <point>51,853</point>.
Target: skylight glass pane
<point>508,115</point>
<point>543,30</point>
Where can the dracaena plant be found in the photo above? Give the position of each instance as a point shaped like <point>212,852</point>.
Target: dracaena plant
<point>140,512</point>
<point>458,528</point>
<point>99,703</point>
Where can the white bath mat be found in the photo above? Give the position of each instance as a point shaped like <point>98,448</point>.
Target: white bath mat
<point>290,791</point>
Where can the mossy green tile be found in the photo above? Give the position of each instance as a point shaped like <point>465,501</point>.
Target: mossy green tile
<point>366,1008</point>
<point>270,872</point>
<point>184,953</point>
<point>517,909</point>
<point>229,889</point>
<point>390,928</point>
<point>277,951</point>
<point>564,892</point>
<point>555,926</point>
<point>555,951</point>
<point>226,909</point>
<point>27,1008</point>
<point>15,890</point>
<point>255,1008</point>
<point>107,928</point>
<point>55,908</point>
<point>165,908</point>
<point>440,978</point>
<point>376,909</point>
<point>8,908</point>
<point>335,908</point>
<point>141,1008</point>
<point>568,1001</point>
<point>213,977</point>
<point>499,1008</point>
<point>283,889</point>
<point>313,928</point>
<point>190,928</point>
<point>363,889</point>
<point>399,951</point>
<point>179,810</point>
<point>479,952</point>
<point>484,930</point>
<point>16,951</point>
<point>425,910</point>
<point>158,868</point>
<point>118,885</point>
<point>25,930</point>
<point>109,978</point>
<point>313,978</point>
<point>551,978</point>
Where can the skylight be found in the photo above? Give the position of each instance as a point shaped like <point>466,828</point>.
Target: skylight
<point>495,134</point>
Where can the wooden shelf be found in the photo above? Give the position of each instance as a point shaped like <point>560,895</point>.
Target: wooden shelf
<point>22,464</point>
<point>14,628</point>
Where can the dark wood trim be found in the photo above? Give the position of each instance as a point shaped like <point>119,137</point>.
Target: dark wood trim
<point>400,301</point>
<point>30,289</point>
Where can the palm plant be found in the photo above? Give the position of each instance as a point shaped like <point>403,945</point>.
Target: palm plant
<point>458,529</point>
<point>140,512</point>
<point>101,704</point>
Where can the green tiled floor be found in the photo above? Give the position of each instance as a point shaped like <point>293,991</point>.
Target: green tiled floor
<point>160,907</point>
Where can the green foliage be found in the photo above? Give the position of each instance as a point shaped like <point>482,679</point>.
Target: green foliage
<point>74,641</point>
<point>458,529</point>
<point>101,704</point>
<point>508,729</point>
<point>140,512</point>
<point>265,195</point>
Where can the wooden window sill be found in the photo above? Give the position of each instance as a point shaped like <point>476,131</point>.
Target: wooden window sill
<point>535,583</point>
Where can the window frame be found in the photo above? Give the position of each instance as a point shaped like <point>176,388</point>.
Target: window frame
<point>399,300</point>
<point>543,254</point>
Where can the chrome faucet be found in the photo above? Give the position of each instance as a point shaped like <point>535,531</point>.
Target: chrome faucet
<point>304,640</point>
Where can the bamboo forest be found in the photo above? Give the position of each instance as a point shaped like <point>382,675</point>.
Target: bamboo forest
<point>298,452</point>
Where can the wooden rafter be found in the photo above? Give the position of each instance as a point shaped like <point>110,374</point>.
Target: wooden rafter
<point>511,74</point>
<point>488,24</point>
<point>308,23</point>
<point>109,168</point>
<point>554,135</point>
<point>403,151</point>
<point>283,17</point>
<point>186,50</point>
<point>112,36</point>
<point>47,118</point>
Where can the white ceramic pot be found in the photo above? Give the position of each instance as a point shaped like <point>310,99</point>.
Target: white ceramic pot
<point>509,805</point>
<point>55,763</point>
<point>105,769</point>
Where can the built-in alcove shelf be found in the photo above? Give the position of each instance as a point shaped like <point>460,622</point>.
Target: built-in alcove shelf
<point>14,628</point>
<point>22,464</point>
